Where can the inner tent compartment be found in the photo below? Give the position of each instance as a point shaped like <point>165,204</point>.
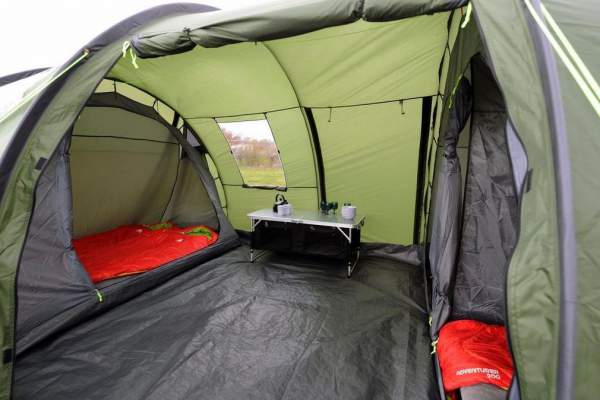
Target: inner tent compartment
<point>128,170</point>
<point>122,165</point>
<point>375,110</point>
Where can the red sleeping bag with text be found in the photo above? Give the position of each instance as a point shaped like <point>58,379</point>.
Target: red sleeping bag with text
<point>131,249</point>
<point>472,352</point>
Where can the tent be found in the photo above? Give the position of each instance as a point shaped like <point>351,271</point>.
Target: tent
<point>463,130</point>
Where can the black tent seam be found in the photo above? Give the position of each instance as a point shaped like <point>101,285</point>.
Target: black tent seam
<point>125,138</point>
<point>318,153</point>
<point>421,168</point>
<point>267,187</point>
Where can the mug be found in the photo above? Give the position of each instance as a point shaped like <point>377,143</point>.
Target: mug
<point>349,212</point>
<point>282,210</point>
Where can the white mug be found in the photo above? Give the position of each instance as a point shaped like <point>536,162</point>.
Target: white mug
<point>282,210</point>
<point>349,212</point>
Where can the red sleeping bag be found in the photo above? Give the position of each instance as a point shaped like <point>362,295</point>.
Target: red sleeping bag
<point>472,352</point>
<point>132,249</point>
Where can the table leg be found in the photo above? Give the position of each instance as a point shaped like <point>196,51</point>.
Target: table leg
<point>251,239</point>
<point>352,265</point>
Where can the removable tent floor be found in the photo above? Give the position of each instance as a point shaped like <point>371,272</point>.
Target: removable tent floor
<point>281,328</point>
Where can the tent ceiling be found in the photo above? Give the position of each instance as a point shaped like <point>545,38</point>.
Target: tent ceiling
<point>362,62</point>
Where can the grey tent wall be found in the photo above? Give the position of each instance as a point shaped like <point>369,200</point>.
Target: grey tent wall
<point>51,279</point>
<point>489,228</point>
<point>187,204</point>
<point>447,204</point>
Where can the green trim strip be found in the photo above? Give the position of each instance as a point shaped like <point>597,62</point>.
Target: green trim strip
<point>588,90</point>
<point>571,50</point>
<point>468,16</point>
<point>43,86</point>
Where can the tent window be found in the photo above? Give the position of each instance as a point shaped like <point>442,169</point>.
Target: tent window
<point>255,151</point>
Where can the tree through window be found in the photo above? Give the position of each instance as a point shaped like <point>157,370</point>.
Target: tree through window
<point>254,149</point>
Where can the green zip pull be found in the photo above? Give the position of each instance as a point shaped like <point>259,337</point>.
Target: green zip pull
<point>127,46</point>
<point>99,295</point>
<point>434,346</point>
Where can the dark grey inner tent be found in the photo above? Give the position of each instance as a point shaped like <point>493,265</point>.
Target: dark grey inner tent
<point>121,164</point>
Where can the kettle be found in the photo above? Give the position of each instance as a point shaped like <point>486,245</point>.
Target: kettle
<point>279,200</point>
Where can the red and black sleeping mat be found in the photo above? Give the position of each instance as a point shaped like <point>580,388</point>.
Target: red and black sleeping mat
<point>471,353</point>
<point>132,249</point>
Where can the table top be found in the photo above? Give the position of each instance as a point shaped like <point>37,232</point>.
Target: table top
<point>309,218</point>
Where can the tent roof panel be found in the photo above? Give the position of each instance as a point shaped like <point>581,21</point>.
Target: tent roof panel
<point>365,62</point>
<point>239,79</point>
<point>274,21</point>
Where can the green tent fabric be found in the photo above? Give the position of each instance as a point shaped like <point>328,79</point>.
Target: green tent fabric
<point>345,84</point>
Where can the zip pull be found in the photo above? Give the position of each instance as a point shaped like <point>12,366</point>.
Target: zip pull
<point>127,46</point>
<point>434,346</point>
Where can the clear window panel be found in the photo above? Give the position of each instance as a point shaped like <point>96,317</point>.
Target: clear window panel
<point>255,151</point>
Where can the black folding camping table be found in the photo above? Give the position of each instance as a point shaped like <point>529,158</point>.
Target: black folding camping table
<point>307,232</point>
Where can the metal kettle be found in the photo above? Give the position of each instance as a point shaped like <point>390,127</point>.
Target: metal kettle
<point>279,200</point>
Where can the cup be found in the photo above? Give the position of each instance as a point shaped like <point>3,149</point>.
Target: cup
<point>349,212</point>
<point>282,210</point>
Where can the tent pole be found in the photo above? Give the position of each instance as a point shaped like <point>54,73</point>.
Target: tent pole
<point>425,122</point>
<point>317,148</point>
